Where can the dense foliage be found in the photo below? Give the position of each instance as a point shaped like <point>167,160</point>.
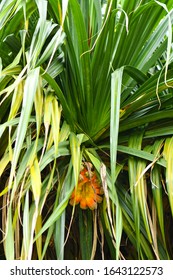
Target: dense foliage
<point>86,86</point>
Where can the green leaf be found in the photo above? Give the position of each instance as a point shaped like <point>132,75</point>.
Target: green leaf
<point>28,99</point>
<point>9,239</point>
<point>115,116</point>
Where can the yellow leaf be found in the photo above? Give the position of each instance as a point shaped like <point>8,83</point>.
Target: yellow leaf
<point>36,180</point>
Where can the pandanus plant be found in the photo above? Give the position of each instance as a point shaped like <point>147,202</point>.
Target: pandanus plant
<point>86,144</point>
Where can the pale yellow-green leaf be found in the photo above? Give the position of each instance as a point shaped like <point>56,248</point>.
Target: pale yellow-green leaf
<point>28,98</point>
<point>56,116</point>
<point>64,132</point>
<point>36,180</point>
<point>168,154</point>
<point>140,191</point>
<point>16,100</point>
<point>26,228</point>
<point>3,162</point>
<point>50,139</point>
<point>38,102</point>
<point>76,155</point>
<point>9,239</point>
<point>10,149</point>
